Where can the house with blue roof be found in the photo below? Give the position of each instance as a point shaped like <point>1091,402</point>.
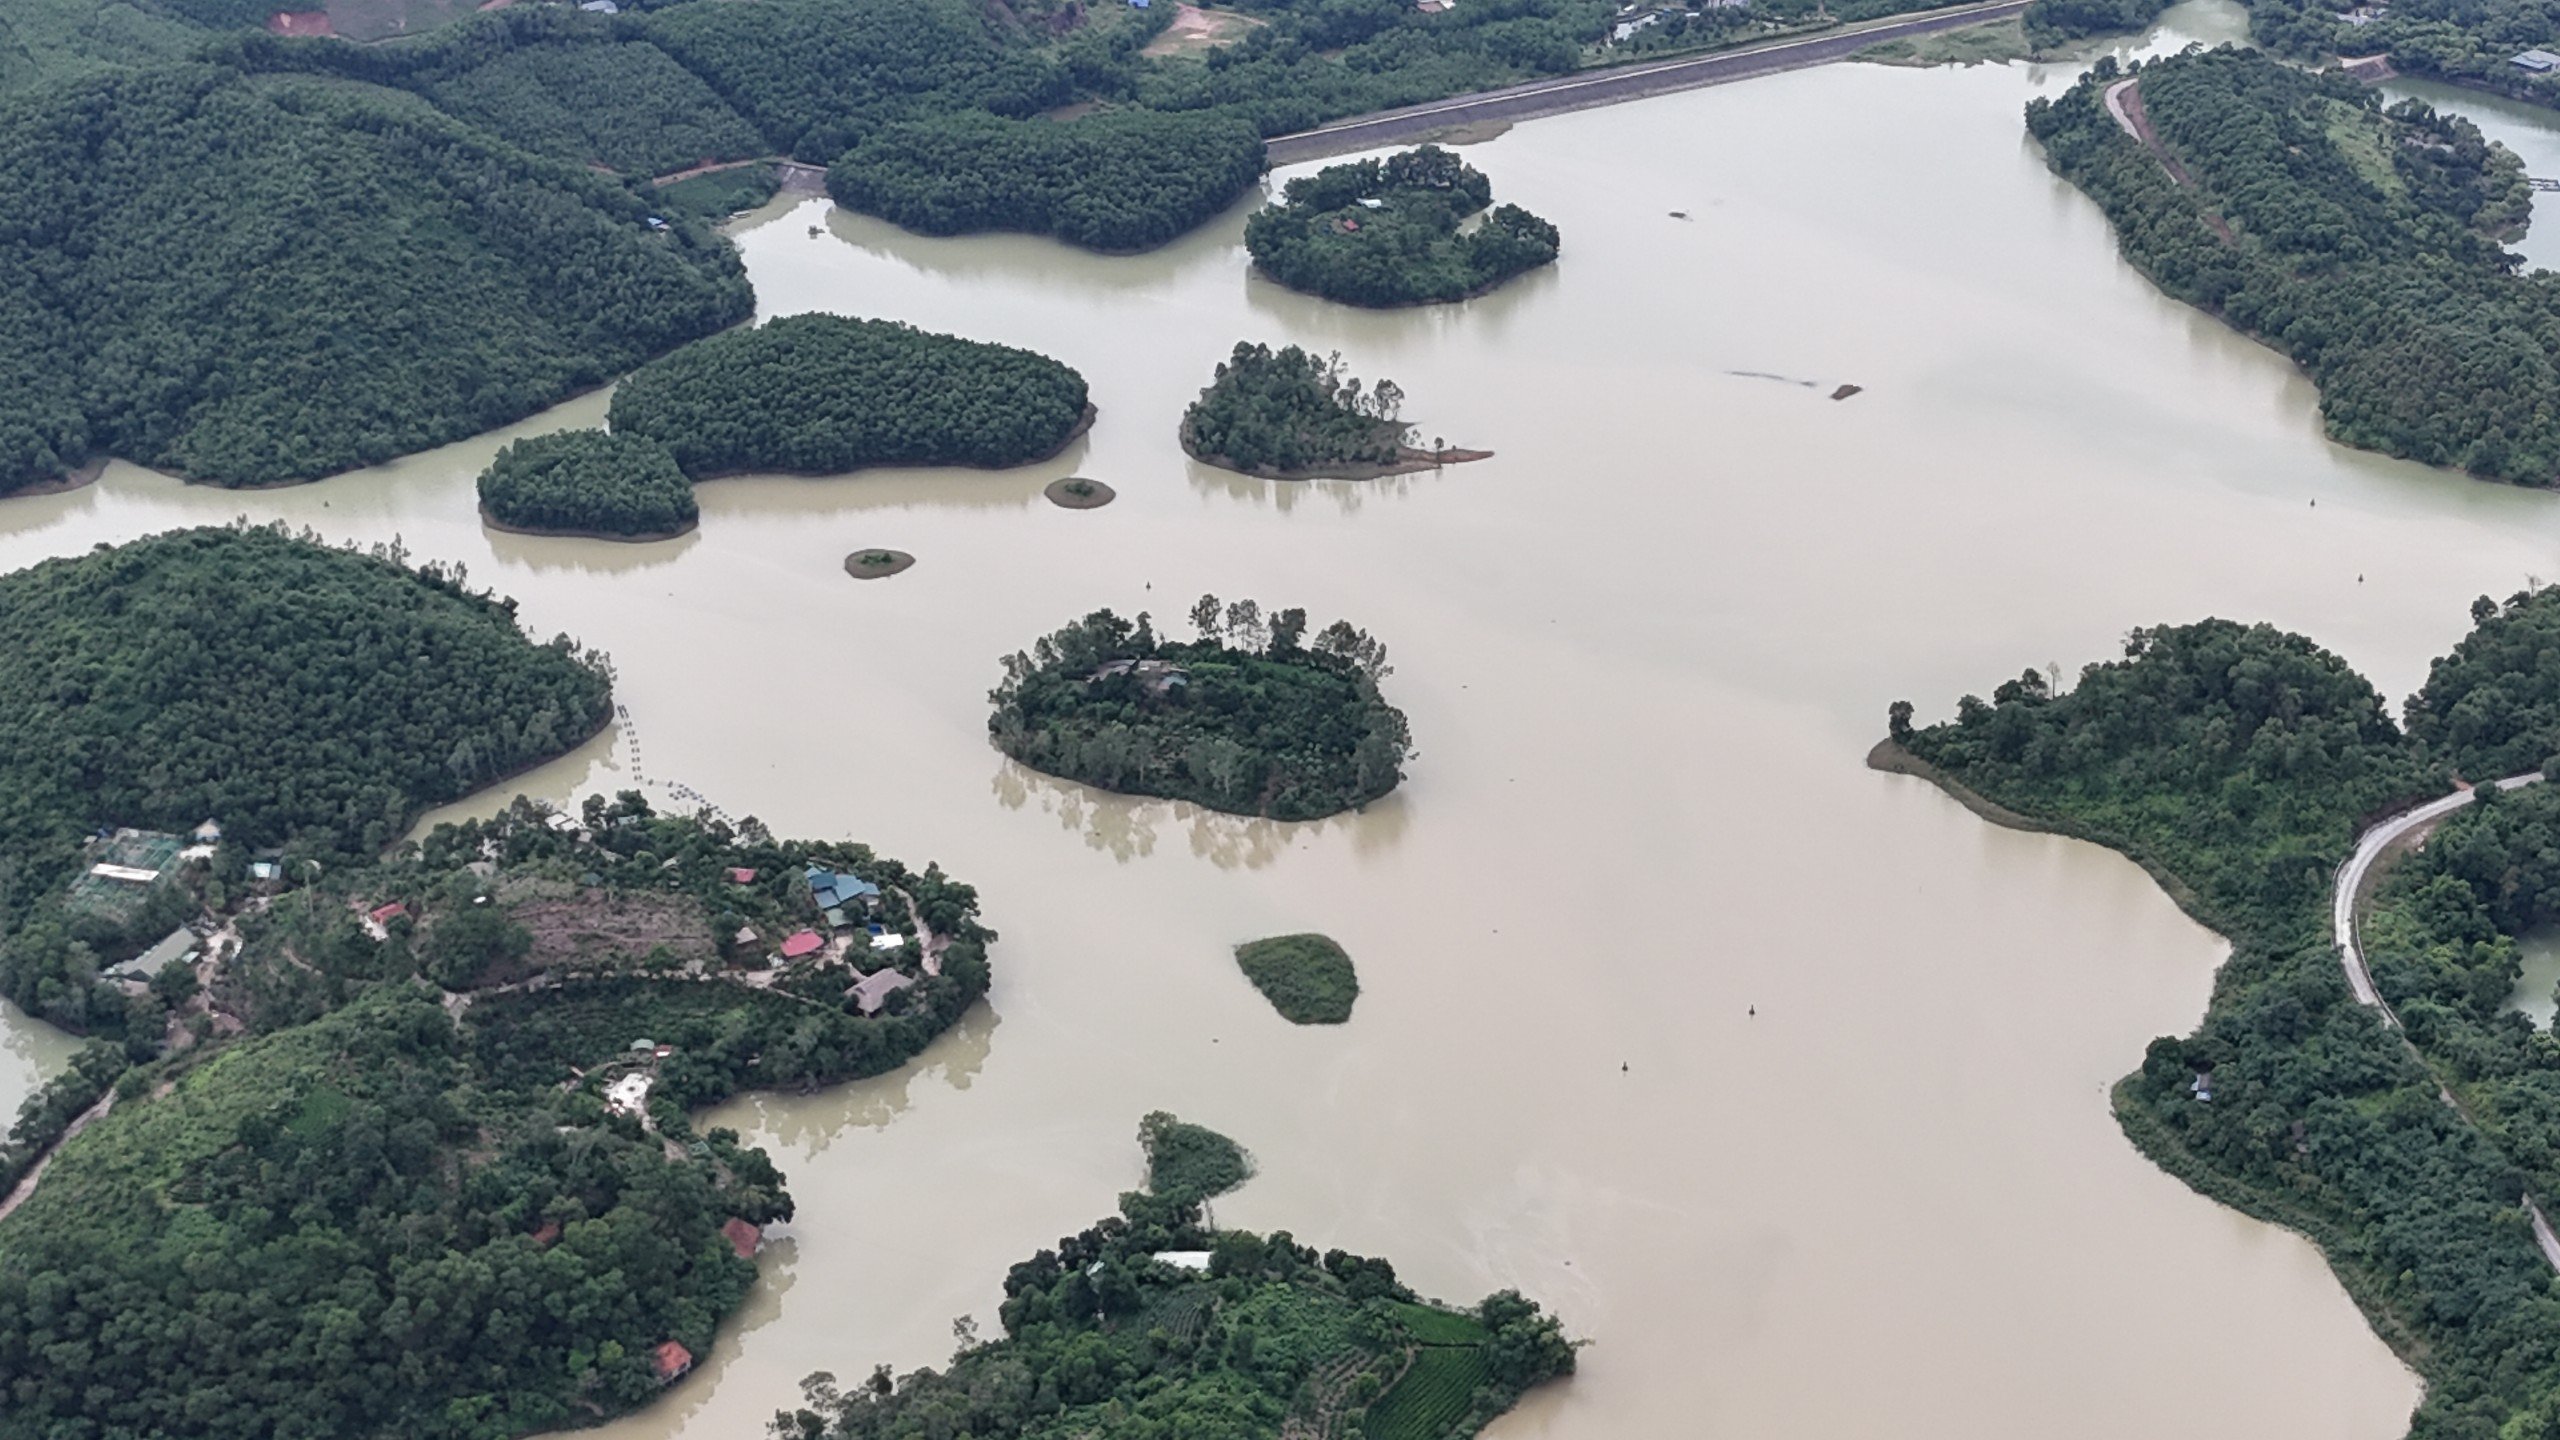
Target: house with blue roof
<point>836,892</point>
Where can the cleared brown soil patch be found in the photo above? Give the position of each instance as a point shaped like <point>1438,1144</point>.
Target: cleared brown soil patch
<point>1195,30</point>
<point>592,927</point>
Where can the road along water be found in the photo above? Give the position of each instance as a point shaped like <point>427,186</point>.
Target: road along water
<point>1784,1081</point>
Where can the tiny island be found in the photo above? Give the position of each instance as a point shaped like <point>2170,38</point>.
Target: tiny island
<point>590,484</point>
<point>1392,232</point>
<point>1307,978</point>
<point>1251,718</point>
<point>1288,415</point>
<point>823,395</point>
<point>1149,1322</point>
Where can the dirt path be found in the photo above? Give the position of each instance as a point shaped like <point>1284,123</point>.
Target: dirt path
<point>79,1123</point>
<point>2383,841</point>
<point>708,167</point>
<point>1618,84</point>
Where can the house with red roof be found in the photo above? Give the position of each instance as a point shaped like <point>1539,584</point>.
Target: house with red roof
<point>807,942</point>
<point>742,1237</point>
<point>673,1361</point>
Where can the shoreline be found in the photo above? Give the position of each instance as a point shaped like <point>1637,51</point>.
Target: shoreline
<point>1083,424</point>
<point>1409,461</point>
<point>79,477</point>
<point>548,532</point>
<point>1477,293</point>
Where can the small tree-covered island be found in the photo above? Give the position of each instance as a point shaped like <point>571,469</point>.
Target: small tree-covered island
<point>1150,1325</point>
<point>586,482</point>
<point>1287,415</point>
<point>1309,979</point>
<point>822,394</point>
<point>2239,764</point>
<point>387,1146</point>
<point>1389,232</point>
<point>1252,717</point>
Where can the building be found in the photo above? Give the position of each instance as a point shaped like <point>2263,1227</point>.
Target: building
<point>886,939</point>
<point>873,991</point>
<point>807,942</point>
<point>179,944</point>
<point>208,833</point>
<point>2538,62</point>
<point>835,891</point>
<point>673,1360</point>
<point>742,1237</point>
<point>741,875</point>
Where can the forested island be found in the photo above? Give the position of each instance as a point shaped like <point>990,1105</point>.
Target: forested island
<point>417,1135</point>
<point>821,394</point>
<point>1287,415</point>
<point>2237,763</point>
<point>587,482</point>
<point>1387,232</point>
<point>1307,978</point>
<point>2363,242</point>
<point>1150,1324</point>
<point>1251,717</point>
<point>312,699</point>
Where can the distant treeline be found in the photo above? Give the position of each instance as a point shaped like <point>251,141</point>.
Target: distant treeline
<point>2363,242</point>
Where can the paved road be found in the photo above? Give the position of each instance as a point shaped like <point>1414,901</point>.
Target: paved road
<point>2353,876</point>
<point>1620,83</point>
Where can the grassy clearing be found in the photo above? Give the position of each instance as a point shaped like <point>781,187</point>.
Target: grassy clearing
<point>1433,1397</point>
<point>1996,43</point>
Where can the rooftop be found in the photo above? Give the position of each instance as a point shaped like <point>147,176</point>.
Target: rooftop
<point>873,991</point>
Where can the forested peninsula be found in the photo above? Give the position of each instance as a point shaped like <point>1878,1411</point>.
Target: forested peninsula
<point>2238,763</point>
<point>1384,233</point>
<point>1287,415</point>
<point>1148,1325</point>
<point>2362,242</point>
<point>312,699</point>
<point>1251,718</point>
<point>412,1155</point>
<point>822,394</point>
<point>587,482</point>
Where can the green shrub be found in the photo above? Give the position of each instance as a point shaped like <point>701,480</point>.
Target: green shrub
<point>590,482</point>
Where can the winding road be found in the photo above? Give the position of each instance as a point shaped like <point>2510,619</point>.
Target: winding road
<point>2372,847</point>
<point>1620,83</point>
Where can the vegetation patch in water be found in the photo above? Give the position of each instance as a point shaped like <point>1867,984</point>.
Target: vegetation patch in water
<point>1251,718</point>
<point>1150,1324</point>
<point>1307,978</point>
<point>1387,232</point>
<point>586,482</point>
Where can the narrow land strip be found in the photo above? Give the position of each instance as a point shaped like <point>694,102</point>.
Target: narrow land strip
<point>1614,86</point>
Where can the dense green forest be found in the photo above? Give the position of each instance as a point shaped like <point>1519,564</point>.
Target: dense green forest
<point>390,1220</point>
<point>303,696</point>
<point>1101,1337</point>
<point>2049,23</point>
<point>197,279</point>
<point>587,482</point>
<point>1187,1163</point>
<point>2238,763</point>
<point>821,394</point>
<point>1285,412</point>
<point>1385,232</point>
<point>1252,718</point>
<point>1307,978</point>
<point>2361,242</point>
<point>1122,180</point>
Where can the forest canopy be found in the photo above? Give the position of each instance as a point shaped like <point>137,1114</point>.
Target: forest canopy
<point>1289,414</point>
<point>822,394</point>
<point>196,280</point>
<point>1386,232</point>
<point>1309,979</point>
<point>1252,718</point>
<point>2363,242</point>
<point>588,482</point>
<point>2239,763</point>
<point>300,695</point>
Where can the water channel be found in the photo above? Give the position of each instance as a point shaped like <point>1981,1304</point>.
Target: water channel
<point>1644,650</point>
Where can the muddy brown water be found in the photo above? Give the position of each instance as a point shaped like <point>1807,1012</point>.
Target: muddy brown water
<point>1644,650</point>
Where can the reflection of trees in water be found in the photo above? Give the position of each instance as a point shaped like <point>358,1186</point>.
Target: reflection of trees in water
<point>1287,495</point>
<point>555,554</point>
<point>807,1124</point>
<point>1126,825</point>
